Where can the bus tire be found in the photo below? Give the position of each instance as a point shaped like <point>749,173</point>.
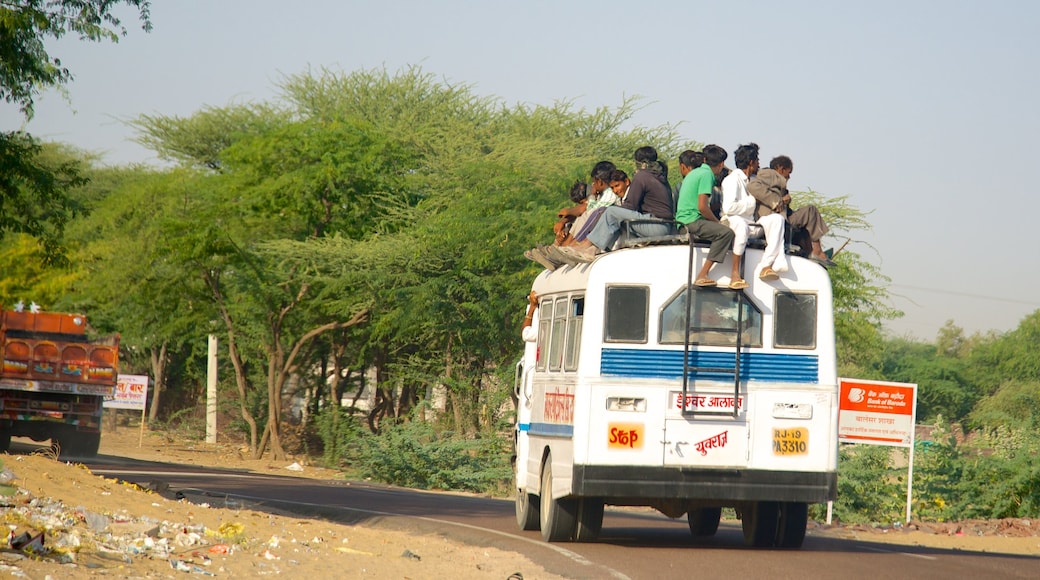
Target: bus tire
<point>704,522</point>
<point>759,522</point>
<point>556,516</point>
<point>526,510</point>
<point>589,520</point>
<point>794,516</point>
<point>5,440</point>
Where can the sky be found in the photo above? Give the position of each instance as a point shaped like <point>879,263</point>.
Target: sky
<point>923,113</point>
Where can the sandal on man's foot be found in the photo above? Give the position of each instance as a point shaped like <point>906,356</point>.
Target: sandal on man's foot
<point>705,283</point>
<point>738,284</point>
<point>768,275</point>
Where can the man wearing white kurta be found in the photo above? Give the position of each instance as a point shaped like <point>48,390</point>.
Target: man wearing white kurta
<point>738,212</point>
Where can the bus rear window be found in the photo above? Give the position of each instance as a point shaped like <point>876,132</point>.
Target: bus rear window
<point>795,320</point>
<point>626,314</point>
<point>713,319</point>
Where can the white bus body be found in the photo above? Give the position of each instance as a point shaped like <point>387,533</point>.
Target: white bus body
<point>606,414</point>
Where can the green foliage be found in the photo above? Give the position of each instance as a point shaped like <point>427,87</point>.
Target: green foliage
<point>200,140</point>
<point>1015,404</point>
<point>938,462</point>
<point>28,277</point>
<point>995,474</point>
<point>34,184</point>
<point>418,454</point>
<point>1000,477</point>
<point>1011,356</point>
<point>943,388</point>
<point>340,433</point>
<point>869,489</point>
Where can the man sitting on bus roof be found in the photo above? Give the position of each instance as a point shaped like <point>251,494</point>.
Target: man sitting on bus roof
<point>694,212</point>
<point>648,198</point>
<point>738,207</point>
<point>769,187</point>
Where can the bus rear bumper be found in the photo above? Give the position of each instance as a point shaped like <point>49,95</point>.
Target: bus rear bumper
<point>710,485</point>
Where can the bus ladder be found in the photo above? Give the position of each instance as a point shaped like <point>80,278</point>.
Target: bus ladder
<point>738,347</point>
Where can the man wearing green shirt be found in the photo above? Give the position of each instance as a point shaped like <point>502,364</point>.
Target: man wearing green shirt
<point>694,212</point>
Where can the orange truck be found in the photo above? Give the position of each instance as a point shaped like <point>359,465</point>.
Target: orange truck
<point>54,380</point>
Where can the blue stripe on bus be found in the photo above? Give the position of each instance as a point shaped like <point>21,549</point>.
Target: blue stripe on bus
<point>551,430</point>
<point>667,364</point>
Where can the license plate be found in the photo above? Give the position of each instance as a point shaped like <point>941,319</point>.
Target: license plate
<point>625,436</point>
<point>791,441</point>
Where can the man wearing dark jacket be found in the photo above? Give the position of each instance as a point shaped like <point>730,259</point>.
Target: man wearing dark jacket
<point>648,198</point>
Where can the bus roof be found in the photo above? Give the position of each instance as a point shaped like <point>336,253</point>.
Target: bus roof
<point>669,264</point>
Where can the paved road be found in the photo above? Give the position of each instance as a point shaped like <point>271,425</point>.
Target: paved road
<point>632,545</point>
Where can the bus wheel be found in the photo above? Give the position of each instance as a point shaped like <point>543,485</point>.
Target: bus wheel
<point>590,519</point>
<point>526,510</point>
<point>759,522</point>
<point>556,516</point>
<point>793,518</point>
<point>5,440</point>
<point>704,521</point>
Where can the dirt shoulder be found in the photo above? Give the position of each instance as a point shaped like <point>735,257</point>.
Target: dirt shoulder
<point>96,526</point>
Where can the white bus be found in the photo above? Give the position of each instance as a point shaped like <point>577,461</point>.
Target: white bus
<point>618,406</point>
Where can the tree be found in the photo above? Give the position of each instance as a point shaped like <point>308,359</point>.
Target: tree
<point>121,247</point>
<point>26,68</point>
<point>390,213</point>
<point>32,194</point>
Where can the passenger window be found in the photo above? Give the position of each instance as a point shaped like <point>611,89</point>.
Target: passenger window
<point>713,319</point>
<point>795,321</point>
<point>544,325</point>
<point>556,336</point>
<point>575,316</point>
<point>626,314</point>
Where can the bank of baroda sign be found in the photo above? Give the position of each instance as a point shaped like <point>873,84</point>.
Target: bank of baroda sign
<point>876,412</point>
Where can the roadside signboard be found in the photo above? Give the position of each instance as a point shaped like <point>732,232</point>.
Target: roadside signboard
<point>877,412</point>
<point>131,393</point>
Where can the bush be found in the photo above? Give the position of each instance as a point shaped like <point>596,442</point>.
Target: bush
<point>869,490</point>
<point>415,454</point>
<point>340,434</point>
<point>1000,477</point>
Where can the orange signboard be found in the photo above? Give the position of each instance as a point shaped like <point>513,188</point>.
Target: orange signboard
<point>877,412</point>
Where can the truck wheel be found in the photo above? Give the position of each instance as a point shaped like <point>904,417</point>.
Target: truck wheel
<point>556,516</point>
<point>793,518</point>
<point>759,522</point>
<point>78,444</point>
<point>704,522</point>
<point>526,510</point>
<point>589,520</point>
